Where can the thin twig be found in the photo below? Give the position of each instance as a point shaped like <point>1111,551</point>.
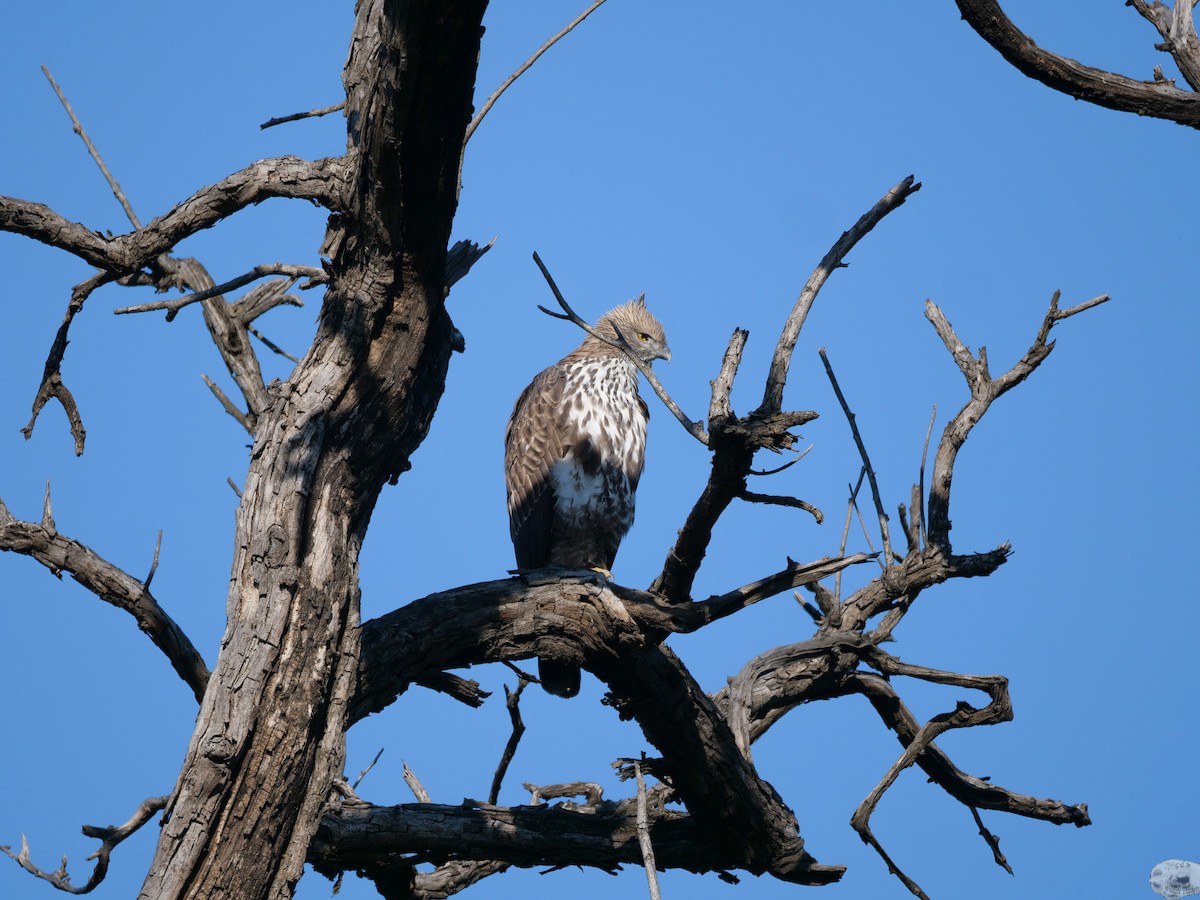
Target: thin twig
<point>786,465</point>
<point>236,489</point>
<point>271,345</point>
<point>795,575</point>
<point>984,390</point>
<point>95,154</point>
<point>363,773</point>
<point>862,451</point>
<point>924,457</point>
<point>851,505</point>
<point>311,114</point>
<point>262,298</point>
<point>695,429</point>
<point>154,564</point>
<point>992,841</point>
<point>866,532</point>
<point>521,673</point>
<point>229,406</point>
<point>491,101</point>
<point>643,828</point>
<point>48,511</point>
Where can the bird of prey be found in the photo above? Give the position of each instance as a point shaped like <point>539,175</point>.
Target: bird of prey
<point>573,453</point>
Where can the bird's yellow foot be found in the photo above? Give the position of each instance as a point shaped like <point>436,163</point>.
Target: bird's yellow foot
<point>603,573</point>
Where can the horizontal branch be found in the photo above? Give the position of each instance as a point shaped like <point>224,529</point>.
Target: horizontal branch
<point>790,502</point>
<point>794,576</point>
<point>312,113</point>
<point>356,837</point>
<point>508,619</point>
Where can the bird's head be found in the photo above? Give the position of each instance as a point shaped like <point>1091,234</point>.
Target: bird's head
<point>641,330</point>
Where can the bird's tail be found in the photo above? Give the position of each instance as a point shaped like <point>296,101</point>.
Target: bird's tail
<point>559,678</point>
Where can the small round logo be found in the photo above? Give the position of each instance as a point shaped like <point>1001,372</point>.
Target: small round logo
<point>1175,878</point>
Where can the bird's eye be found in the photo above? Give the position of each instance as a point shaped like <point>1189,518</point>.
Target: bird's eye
<point>643,337</point>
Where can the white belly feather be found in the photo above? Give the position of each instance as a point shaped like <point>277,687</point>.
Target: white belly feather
<point>616,431</point>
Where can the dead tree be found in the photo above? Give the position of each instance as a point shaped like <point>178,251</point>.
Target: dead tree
<point>262,788</point>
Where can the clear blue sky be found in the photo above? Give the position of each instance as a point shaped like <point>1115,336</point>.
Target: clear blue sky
<point>708,159</point>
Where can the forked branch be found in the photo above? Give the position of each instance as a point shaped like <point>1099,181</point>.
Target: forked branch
<point>734,440</point>
<point>984,389</point>
<point>109,836</point>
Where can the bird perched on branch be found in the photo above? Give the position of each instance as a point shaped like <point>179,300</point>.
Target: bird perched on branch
<point>573,453</point>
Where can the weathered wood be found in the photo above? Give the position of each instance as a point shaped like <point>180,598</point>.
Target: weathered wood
<point>358,836</point>
<point>1159,99</point>
<point>269,739</point>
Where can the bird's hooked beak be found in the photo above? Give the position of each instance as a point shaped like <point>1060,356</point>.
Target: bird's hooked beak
<point>664,354</point>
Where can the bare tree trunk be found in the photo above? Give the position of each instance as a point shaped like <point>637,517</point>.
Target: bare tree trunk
<point>269,738</point>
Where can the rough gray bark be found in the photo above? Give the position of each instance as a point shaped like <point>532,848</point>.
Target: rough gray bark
<point>269,739</point>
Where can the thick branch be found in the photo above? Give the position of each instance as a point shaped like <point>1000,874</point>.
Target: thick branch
<point>356,837</point>
<point>509,619</point>
<point>1158,99</point>
<point>346,421</point>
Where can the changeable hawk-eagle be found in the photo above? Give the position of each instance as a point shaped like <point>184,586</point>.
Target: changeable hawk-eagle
<point>573,453</point>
